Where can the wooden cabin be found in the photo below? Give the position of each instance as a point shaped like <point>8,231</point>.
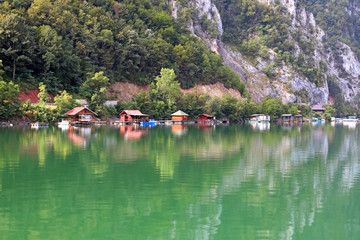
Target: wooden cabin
<point>179,116</point>
<point>205,118</point>
<point>318,109</point>
<point>298,118</point>
<point>133,116</point>
<point>259,118</point>
<point>287,118</point>
<point>80,115</point>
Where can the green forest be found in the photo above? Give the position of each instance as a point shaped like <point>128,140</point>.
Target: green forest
<point>62,43</point>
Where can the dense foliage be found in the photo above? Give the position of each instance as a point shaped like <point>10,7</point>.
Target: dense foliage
<point>339,20</point>
<point>60,42</point>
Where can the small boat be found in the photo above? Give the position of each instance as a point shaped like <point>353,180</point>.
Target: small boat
<point>63,122</point>
<point>151,123</point>
<point>350,119</point>
<point>37,125</point>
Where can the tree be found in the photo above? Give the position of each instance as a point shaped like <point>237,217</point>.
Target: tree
<point>229,107</point>
<point>293,110</point>
<point>15,40</point>
<point>9,102</point>
<point>65,102</point>
<point>94,90</point>
<point>93,85</point>
<point>43,94</point>
<point>142,102</point>
<point>329,112</point>
<point>167,87</point>
<point>49,45</point>
<point>1,71</point>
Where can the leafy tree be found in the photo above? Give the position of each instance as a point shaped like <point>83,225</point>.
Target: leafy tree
<point>167,87</point>
<point>94,90</point>
<point>272,107</point>
<point>229,107</point>
<point>93,85</point>
<point>9,102</point>
<point>329,112</point>
<point>43,94</point>
<point>142,102</point>
<point>293,110</point>
<point>15,41</point>
<point>65,102</point>
<point>215,107</point>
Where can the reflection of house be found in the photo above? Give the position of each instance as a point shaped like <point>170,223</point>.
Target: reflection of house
<point>179,130</point>
<point>131,116</point>
<point>287,118</point>
<point>204,118</point>
<point>318,109</point>
<point>80,115</point>
<point>130,132</point>
<point>179,116</point>
<point>298,118</point>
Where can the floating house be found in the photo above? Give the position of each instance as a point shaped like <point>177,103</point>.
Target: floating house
<point>179,116</point>
<point>298,118</point>
<point>287,118</point>
<point>259,118</point>
<point>133,116</point>
<point>318,109</point>
<point>205,118</point>
<point>81,115</point>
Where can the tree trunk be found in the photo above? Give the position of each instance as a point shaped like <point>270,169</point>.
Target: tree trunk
<point>14,69</point>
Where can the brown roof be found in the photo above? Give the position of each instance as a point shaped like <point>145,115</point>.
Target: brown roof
<point>134,113</point>
<point>318,108</point>
<point>74,111</point>
<point>206,115</point>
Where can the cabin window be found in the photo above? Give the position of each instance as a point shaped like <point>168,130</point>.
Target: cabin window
<point>85,111</point>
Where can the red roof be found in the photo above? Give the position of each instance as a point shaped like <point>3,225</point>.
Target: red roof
<point>206,115</point>
<point>133,113</point>
<point>318,108</point>
<point>76,110</point>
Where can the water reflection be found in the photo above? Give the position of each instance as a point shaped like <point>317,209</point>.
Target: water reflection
<point>276,183</point>
<point>179,130</point>
<point>132,132</point>
<point>260,126</point>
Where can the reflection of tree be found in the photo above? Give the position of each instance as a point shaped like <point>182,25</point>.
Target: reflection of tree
<point>229,181</point>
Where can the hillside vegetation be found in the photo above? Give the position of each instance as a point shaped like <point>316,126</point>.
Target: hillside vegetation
<point>63,42</point>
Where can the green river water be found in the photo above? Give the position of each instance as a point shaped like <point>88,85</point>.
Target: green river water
<point>179,182</point>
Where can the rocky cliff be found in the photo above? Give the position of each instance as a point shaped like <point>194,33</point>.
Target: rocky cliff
<point>339,65</point>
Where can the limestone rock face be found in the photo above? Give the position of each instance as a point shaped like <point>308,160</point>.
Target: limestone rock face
<point>289,84</point>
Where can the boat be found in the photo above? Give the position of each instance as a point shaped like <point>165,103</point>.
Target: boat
<point>37,125</point>
<point>350,119</point>
<point>63,123</point>
<point>150,123</point>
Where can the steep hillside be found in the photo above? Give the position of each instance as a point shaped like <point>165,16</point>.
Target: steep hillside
<point>280,48</point>
<point>62,42</point>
